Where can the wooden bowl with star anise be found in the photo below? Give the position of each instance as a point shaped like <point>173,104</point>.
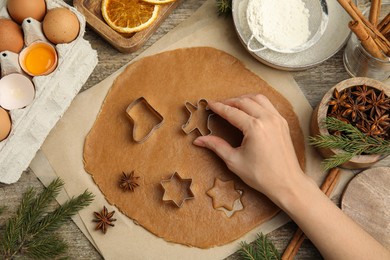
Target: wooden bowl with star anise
<point>361,102</point>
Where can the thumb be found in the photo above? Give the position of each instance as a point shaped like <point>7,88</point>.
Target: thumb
<point>216,144</point>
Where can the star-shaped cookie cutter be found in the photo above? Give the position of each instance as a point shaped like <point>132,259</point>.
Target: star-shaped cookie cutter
<point>226,197</point>
<point>166,198</point>
<point>152,109</point>
<point>191,109</point>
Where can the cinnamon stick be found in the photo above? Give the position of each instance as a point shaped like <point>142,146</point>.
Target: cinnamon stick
<point>385,29</point>
<point>384,22</point>
<point>327,187</point>
<point>387,35</point>
<point>375,10</point>
<point>332,177</point>
<point>333,184</point>
<point>367,42</point>
<point>295,251</point>
<point>356,15</point>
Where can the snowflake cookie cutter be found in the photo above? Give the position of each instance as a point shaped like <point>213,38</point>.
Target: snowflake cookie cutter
<point>167,197</point>
<point>149,107</point>
<point>195,109</point>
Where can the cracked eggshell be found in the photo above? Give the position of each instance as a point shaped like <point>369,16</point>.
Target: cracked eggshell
<point>39,58</point>
<point>5,124</point>
<point>22,9</point>
<point>11,36</point>
<point>16,91</point>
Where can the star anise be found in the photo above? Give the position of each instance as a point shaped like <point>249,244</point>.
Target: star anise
<point>362,94</point>
<point>104,219</point>
<point>363,107</point>
<point>378,102</point>
<point>353,109</point>
<point>338,100</point>
<point>339,115</point>
<point>363,126</point>
<point>128,182</point>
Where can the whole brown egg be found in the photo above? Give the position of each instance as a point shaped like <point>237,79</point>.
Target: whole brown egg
<point>5,124</point>
<point>22,9</point>
<point>11,36</point>
<point>60,25</point>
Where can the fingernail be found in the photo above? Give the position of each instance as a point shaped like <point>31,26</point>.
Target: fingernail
<point>198,142</point>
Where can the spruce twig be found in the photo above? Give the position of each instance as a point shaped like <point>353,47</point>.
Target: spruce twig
<point>261,249</point>
<point>30,231</point>
<point>224,7</point>
<point>352,142</point>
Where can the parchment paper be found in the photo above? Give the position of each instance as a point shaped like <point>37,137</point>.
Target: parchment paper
<point>61,154</point>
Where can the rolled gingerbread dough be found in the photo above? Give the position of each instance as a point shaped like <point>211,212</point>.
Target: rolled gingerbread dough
<point>167,81</point>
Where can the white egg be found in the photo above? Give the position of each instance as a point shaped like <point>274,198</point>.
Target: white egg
<point>16,91</point>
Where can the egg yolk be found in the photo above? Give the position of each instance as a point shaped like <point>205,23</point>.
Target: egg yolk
<point>39,59</point>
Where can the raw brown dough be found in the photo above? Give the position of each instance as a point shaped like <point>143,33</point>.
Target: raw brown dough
<point>167,80</point>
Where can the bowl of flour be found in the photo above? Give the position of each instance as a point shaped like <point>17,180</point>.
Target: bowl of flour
<point>285,26</point>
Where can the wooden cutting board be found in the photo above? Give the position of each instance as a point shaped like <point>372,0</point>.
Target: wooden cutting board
<point>367,201</point>
<point>91,9</point>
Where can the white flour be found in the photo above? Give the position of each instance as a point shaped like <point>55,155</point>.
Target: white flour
<point>279,24</point>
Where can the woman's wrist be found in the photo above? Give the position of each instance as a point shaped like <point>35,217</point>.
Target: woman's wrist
<point>297,194</point>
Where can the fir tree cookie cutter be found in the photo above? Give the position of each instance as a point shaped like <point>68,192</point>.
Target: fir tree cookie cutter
<point>175,185</point>
<point>133,111</point>
<point>199,118</point>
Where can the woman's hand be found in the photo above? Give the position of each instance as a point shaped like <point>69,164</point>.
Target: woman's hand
<point>266,159</point>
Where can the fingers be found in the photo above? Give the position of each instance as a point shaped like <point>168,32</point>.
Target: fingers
<point>246,104</point>
<point>222,148</point>
<point>253,104</point>
<point>264,102</point>
<point>234,116</point>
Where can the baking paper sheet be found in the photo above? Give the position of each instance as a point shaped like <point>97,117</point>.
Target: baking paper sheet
<point>62,153</point>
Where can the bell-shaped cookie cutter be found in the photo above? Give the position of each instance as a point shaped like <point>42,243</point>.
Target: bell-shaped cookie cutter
<point>188,106</point>
<point>169,200</point>
<point>152,109</point>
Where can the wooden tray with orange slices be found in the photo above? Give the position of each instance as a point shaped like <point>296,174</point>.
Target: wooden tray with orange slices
<point>124,42</point>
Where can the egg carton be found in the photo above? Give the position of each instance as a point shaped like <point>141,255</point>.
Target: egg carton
<point>54,93</point>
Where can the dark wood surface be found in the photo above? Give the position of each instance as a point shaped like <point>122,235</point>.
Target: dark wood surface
<point>313,82</point>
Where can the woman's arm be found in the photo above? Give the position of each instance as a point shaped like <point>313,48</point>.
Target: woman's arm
<point>257,162</point>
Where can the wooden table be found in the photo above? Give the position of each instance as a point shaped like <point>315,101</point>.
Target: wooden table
<point>313,82</point>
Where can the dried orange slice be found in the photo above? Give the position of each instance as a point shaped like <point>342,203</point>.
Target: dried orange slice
<point>158,2</point>
<point>129,16</point>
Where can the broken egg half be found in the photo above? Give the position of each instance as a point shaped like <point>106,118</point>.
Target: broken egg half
<point>38,59</point>
<point>16,91</point>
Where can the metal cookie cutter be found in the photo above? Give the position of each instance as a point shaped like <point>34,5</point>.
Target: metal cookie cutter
<point>192,109</point>
<point>226,197</point>
<point>143,101</point>
<point>188,194</point>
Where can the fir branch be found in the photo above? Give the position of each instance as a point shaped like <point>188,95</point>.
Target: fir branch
<point>352,142</point>
<point>30,230</point>
<point>39,206</point>
<point>13,226</point>
<point>261,249</point>
<point>46,246</point>
<point>224,7</point>
<point>336,160</point>
<point>55,219</point>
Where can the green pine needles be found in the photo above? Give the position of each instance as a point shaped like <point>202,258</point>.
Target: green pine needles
<point>261,249</point>
<point>224,6</point>
<point>30,232</point>
<point>352,142</point>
